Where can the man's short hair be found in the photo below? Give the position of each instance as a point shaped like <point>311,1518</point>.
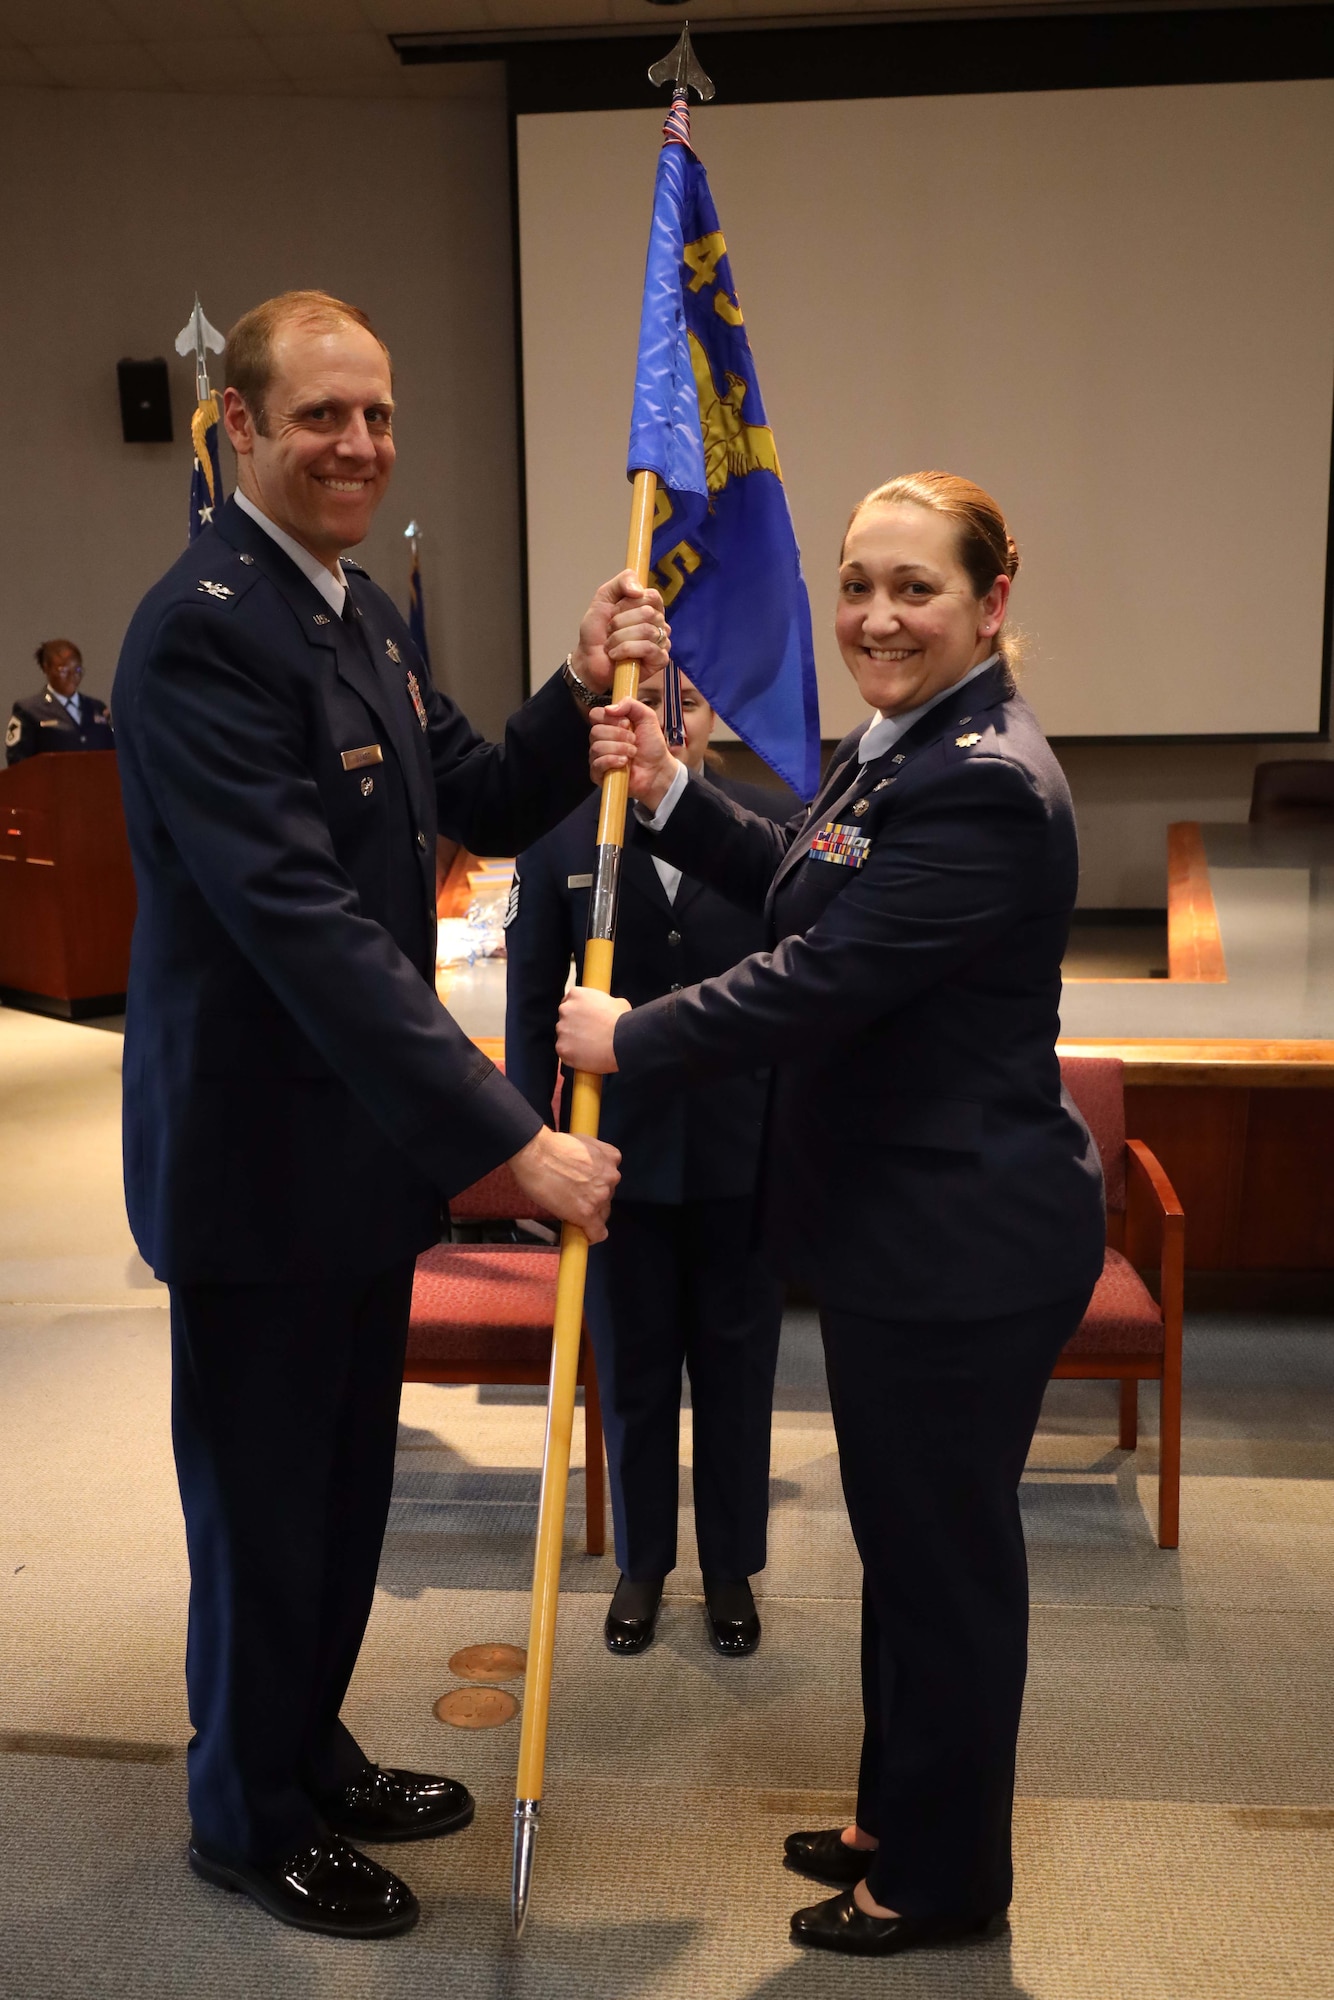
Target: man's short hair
<point>247,362</point>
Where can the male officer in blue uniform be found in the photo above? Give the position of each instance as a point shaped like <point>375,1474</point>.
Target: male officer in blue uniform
<point>297,1102</point>
<point>680,1278</point>
<point>59,718</point>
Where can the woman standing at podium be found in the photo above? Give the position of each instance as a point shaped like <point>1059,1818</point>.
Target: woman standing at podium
<point>59,718</point>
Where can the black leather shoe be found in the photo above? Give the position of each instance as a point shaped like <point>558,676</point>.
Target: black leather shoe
<point>325,1887</point>
<point>399,1805</point>
<point>730,1618</point>
<point>633,1616</point>
<point>839,1925</point>
<point>826,1857</point>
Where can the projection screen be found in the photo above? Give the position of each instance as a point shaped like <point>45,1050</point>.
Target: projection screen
<point>1113,308</point>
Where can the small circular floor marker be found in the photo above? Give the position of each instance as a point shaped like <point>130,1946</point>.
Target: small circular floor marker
<point>489,1663</point>
<point>476,1707</point>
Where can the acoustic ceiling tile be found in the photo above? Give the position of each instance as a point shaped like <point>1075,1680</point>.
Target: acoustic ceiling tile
<point>46,23</point>
<point>103,66</point>
<point>215,62</point>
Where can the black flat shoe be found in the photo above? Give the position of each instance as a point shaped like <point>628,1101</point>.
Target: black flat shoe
<point>399,1805</point>
<point>826,1857</point>
<point>839,1925</point>
<point>326,1887</point>
<point>633,1617</point>
<point>730,1618</point>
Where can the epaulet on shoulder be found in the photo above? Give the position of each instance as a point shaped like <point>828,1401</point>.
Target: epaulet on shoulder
<point>360,568</point>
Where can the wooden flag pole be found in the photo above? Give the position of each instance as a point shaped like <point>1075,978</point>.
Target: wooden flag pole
<point>586,1105</point>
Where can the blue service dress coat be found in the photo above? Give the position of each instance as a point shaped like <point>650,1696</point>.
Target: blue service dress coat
<point>297,1102</point>
<point>922,1157</point>
<point>929,1182</point>
<point>41,723</point>
<point>681,1277</point>
<point>297,1107</point>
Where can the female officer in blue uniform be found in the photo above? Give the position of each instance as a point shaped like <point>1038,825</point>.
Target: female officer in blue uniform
<point>925,1176</point>
<point>679,1278</point>
<point>59,718</point>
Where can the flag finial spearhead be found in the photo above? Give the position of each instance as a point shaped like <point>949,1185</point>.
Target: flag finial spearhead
<point>198,335</point>
<point>682,70</point>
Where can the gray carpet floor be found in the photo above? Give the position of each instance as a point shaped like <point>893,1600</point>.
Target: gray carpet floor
<point>1175,1828</point>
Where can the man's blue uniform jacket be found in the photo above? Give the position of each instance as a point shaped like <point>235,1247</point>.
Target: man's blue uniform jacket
<point>680,1139</point>
<point>922,1161</point>
<point>41,723</point>
<point>297,1101</point>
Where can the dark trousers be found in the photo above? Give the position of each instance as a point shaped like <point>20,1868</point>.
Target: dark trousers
<point>680,1283</point>
<point>284,1420</point>
<point>934,1421</point>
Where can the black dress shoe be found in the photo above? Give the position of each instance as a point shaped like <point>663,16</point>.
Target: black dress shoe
<point>826,1857</point>
<point>399,1805</point>
<point>633,1616</point>
<point>839,1925</point>
<point>325,1887</point>
<point>730,1618</point>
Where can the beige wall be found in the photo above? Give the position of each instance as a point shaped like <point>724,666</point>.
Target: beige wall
<point>106,231</point>
<point>116,207</point>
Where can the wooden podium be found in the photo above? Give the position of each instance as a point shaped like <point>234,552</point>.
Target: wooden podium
<point>66,888</point>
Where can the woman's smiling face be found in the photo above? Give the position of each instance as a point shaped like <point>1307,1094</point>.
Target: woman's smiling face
<point>907,624</point>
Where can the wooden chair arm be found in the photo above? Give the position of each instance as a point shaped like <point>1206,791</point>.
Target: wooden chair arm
<point>1147,1179</point>
<point>1165,1196</point>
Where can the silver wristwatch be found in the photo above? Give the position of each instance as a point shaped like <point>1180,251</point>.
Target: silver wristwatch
<point>583,694</point>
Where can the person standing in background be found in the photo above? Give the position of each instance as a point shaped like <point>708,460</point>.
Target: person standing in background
<point>59,718</point>
<point>680,1279</point>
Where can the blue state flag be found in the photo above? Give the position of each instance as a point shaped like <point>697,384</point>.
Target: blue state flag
<point>206,494</point>
<point>725,556</point>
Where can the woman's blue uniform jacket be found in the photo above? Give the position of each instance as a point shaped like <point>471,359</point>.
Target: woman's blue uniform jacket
<point>681,1139</point>
<point>922,1162</point>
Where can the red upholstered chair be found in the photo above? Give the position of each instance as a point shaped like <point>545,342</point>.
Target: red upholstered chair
<point>1125,1335</point>
<point>483,1312</point>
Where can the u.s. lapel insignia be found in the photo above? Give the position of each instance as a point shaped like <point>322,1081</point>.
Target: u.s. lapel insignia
<point>899,757</point>
<point>219,590</point>
<point>414,691</point>
<point>967,742</point>
<point>395,655</point>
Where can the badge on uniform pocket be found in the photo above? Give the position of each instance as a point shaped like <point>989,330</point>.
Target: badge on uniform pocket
<point>840,844</point>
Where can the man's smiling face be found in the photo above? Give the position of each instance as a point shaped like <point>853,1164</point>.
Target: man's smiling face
<point>319,465</point>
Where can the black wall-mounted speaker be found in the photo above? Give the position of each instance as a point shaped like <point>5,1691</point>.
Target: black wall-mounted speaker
<point>145,401</point>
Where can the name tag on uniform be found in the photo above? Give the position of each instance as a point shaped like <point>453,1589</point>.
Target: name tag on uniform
<point>356,760</point>
<point>52,723</point>
<point>578,881</point>
<point>840,844</point>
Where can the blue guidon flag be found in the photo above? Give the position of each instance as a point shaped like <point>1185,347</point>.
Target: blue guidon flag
<point>724,553</point>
